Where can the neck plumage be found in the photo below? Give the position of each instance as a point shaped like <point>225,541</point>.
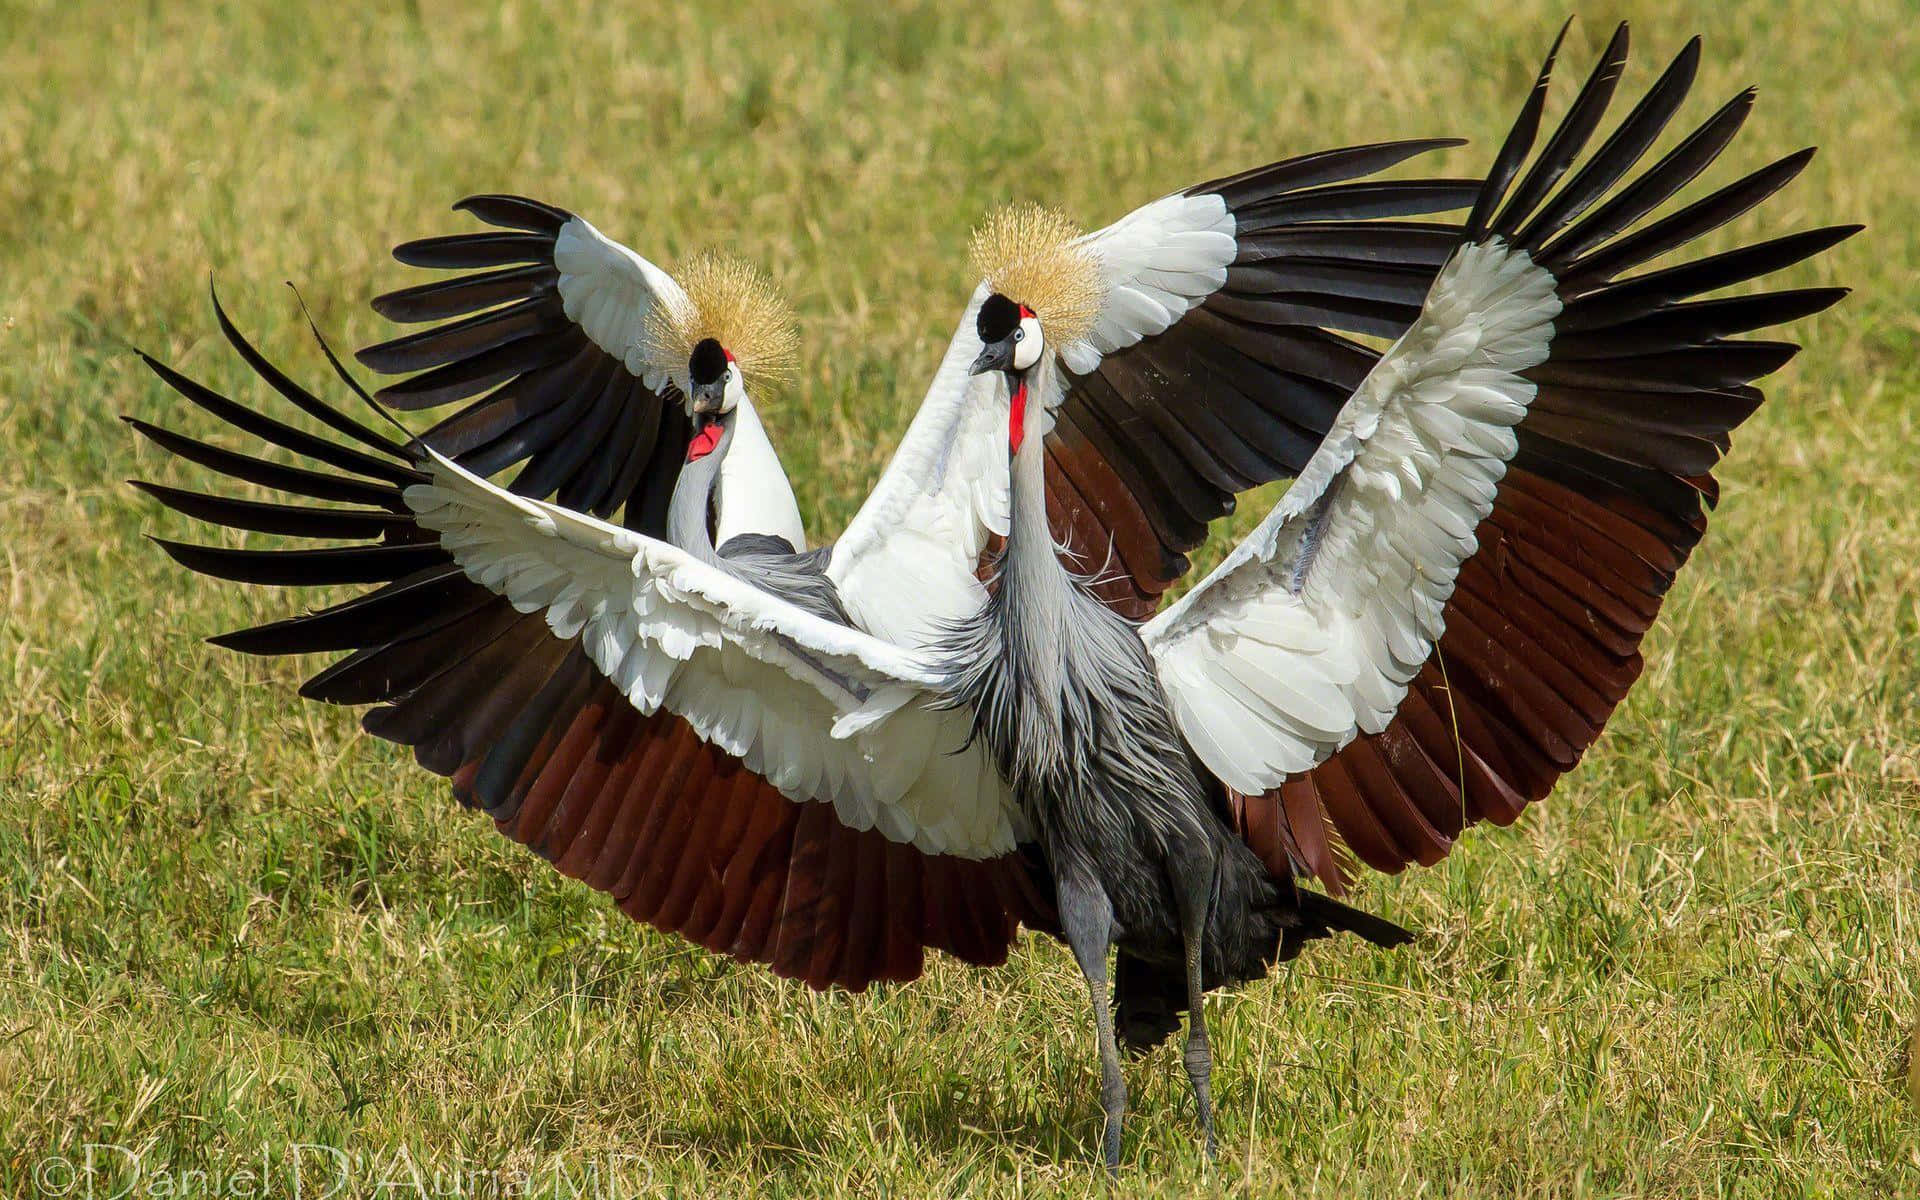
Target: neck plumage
<point>690,509</point>
<point>1036,591</point>
<point>1007,659</point>
<point>1029,541</point>
<point>752,494</point>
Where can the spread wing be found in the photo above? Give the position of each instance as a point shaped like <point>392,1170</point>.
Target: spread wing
<point>546,334</point>
<point>823,711</point>
<point>905,566</point>
<point>1311,629</point>
<point>1455,588</point>
<point>1209,366</point>
<point>533,731</point>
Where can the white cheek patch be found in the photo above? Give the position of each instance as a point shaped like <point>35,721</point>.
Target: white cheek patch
<point>736,391</point>
<point>1026,351</point>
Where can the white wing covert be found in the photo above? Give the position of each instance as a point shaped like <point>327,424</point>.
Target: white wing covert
<point>906,564</point>
<point>1156,262</point>
<point>823,712</point>
<point>610,292</point>
<point>1309,632</point>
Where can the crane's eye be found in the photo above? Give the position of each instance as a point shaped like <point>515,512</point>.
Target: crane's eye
<point>1019,335</point>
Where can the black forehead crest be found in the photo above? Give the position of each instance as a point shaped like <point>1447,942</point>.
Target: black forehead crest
<point>709,362</point>
<point>999,317</point>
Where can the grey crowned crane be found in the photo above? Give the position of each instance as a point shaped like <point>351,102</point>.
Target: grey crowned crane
<point>1508,490</point>
<point>594,345</point>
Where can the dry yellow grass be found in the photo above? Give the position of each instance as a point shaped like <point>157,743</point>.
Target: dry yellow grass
<point>229,921</point>
<point>1913,1066</point>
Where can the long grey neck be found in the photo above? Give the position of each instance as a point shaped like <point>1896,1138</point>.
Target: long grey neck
<point>1032,567</point>
<point>689,509</point>
<point>1037,592</point>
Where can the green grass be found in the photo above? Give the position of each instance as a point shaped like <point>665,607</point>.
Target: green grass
<point>228,920</point>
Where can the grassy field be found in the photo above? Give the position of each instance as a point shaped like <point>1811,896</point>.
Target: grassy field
<point>231,924</point>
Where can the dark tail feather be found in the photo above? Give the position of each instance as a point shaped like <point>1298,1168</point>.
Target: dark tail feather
<point>1149,1001</point>
<point>1251,926</point>
<point>1321,916</point>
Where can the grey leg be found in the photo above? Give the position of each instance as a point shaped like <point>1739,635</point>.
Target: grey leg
<point>1196,894</point>
<point>1086,915</point>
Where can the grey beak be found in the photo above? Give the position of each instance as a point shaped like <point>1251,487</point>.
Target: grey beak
<point>996,357</point>
<point>708,397</point>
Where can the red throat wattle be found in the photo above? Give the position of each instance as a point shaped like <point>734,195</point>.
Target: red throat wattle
<point>1017,417</point>
<point>703,442</point>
